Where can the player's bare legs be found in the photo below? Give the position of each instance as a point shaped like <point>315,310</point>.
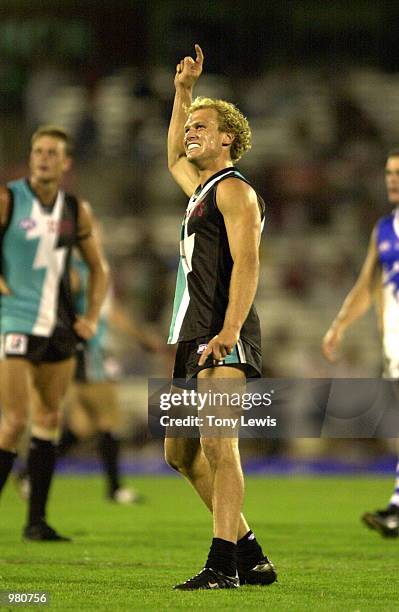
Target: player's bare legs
<point>93,409</point>
<point>15,392</point>
<point>15,386</point>
<point>79,418</point>
<point>24,386</point>
<point>51,381</point>
<point>212,466</point>
<point>187,457</point>
<point>223,457</point>
<point>101,399</point>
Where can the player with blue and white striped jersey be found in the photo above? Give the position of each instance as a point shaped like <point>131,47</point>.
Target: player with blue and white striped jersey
<point>379,280</point>
<point>39,226</point>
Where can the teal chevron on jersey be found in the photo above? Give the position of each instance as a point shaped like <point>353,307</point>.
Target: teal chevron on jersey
<point>33,261</point>
<point>181,292</point>
<point>178,303</point>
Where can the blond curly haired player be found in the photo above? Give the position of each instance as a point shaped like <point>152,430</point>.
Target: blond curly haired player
<point>214,320</point>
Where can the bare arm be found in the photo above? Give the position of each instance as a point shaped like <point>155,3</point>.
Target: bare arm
<point>4,215</point>
<point>90,248</point>
<point>188,72</point>
<point>125,324</point>
<point>378,302</point>
<point>238,204</point>
<point>356,303</point>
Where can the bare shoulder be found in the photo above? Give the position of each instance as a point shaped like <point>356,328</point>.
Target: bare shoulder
<point>233,192</point>
<point>85,219</point>
<point>85,211</point>
<point>373,240</point>
<point>5,201</point>
<point>372,261</point>
<point>84,207</point>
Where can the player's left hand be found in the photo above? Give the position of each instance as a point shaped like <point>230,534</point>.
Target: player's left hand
<point>220,346</point>
<point>151,343</point>
<point>85,328</point>
<point>188,70</point>
<point>4,289</point>
<point>331,343</point>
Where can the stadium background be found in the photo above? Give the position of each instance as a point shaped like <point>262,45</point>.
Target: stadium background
<point>319,85</point>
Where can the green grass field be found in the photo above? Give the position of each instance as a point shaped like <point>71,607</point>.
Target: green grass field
<point>129,558</point>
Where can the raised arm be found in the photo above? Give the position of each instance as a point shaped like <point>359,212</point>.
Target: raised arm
<point>90,248</point>
<point>356,303</point>
<point>238,203</point>
<point>188,72</point>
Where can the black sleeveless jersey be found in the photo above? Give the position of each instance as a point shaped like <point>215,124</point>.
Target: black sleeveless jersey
<point>203,278</point>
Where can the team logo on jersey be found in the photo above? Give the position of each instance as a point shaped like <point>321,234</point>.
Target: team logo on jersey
<point>15,344</point>
<point>201,349</point>
<point>198,210</point>
<point>27,224</point>
<point>391,277</point>
<point>62,227</point>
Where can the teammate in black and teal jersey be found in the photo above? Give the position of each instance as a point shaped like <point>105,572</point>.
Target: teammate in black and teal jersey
<point>93,406</point>
<point>39,226</point>
<point>214,319</point>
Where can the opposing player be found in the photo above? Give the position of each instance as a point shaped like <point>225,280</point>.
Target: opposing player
<point>214,320</point>
<point>379,278</point>
<point>39,225</point>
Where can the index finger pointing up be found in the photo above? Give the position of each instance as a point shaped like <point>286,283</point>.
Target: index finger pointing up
<point>200,56</point>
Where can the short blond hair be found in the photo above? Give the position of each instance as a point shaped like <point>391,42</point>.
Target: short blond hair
<point>55,131</point>
<point>231,121</point>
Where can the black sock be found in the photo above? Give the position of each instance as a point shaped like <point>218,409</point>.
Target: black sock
<point>223,557</point>
<point>41,463</point>
<point>6,462</point>
<point>68,439</point>
<point>249,552</point>
<point>108,447</point>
